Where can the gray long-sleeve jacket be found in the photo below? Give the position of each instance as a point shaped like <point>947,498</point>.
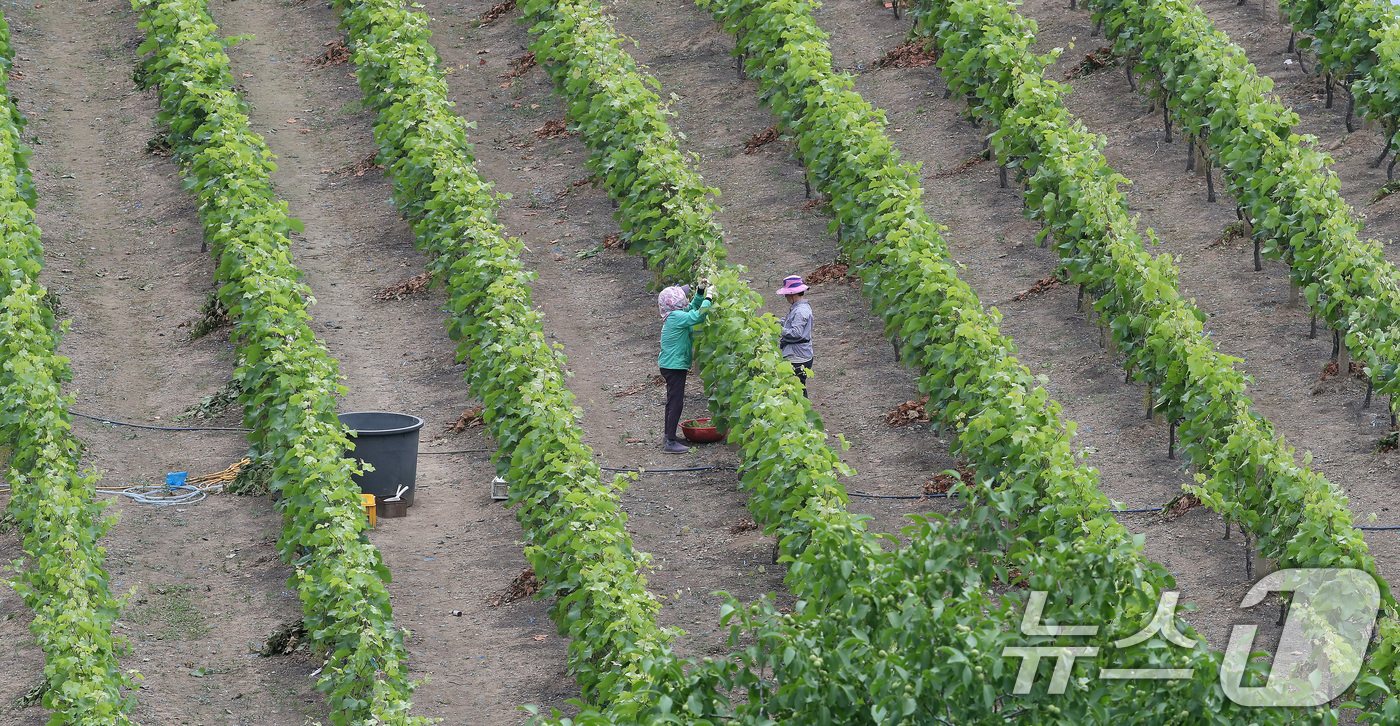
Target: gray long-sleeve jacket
<point>796,343</point>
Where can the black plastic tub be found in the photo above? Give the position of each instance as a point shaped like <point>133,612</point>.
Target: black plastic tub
<point>389,443</point>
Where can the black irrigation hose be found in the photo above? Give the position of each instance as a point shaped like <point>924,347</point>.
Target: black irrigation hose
<point>613,468</point>
<point>666,471</point>
<point>160,428</point>
<point>897,496</point>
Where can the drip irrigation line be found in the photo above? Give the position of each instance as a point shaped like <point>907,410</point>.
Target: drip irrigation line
<point>897,496</point>
<point>146,495</point>
<point>666,471</point>
<point>160,428</point>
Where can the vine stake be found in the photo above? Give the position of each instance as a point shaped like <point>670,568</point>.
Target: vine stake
<point>1351,109</point>
<point>1248,556</point>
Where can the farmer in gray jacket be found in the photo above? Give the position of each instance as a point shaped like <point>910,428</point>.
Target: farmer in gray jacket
<point>796,341</point>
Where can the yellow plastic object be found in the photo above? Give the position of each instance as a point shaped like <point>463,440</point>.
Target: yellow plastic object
<point>367,501</point>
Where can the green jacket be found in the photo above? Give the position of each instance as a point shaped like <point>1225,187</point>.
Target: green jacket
<point>675,334</point>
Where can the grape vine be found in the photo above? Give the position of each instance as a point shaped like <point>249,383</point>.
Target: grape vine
<point>64,582</point>
<point>288,378</point>
<point>1357,44</point>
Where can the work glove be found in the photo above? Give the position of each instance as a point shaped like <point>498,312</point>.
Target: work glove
<point>710,294</point>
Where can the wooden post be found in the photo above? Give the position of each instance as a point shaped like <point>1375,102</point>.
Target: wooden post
<point>1248,556</point>
<point>1210,181</point>
<point>1351,109</point>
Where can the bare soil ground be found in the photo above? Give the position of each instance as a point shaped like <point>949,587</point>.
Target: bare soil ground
<point>211,584</point>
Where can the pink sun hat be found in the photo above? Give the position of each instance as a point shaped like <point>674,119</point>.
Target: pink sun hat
<point>792,286</point>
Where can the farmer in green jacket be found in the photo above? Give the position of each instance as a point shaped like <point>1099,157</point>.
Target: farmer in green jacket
<point>679,316</point>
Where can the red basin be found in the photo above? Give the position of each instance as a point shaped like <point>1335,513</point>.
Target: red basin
<point>700,431</point>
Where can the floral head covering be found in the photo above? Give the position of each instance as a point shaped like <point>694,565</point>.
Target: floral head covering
<point>670,300</point>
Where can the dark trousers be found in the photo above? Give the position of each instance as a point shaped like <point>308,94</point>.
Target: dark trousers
<point>675,399</point>
<point>801,370</point>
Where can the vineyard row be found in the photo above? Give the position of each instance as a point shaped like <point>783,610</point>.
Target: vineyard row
<point>1291,199</point>
<point>1357,43</point>
<point>288,378</point>
<point>64,582</point>
<point>576,534</point>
